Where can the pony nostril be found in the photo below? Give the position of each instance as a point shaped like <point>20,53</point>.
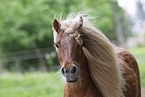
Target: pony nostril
<point>73,70</point>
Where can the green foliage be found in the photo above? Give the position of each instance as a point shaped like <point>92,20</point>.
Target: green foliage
<point>24,23</point>
<point>27,24</point>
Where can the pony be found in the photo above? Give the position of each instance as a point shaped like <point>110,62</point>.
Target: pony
<point>91,64</point>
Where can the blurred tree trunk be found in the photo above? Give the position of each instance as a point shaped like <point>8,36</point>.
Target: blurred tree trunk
<point>118,28</point>
<point>141,20</point>
<point>140,11</point>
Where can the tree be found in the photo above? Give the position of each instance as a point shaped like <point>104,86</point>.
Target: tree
<point>27,24</point>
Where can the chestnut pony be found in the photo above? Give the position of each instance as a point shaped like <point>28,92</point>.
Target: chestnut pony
<point>90,63</point>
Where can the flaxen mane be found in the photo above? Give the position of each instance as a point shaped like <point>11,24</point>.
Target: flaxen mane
<point>100,54</point>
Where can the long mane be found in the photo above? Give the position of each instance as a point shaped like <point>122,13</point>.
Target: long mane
<point>100,54</point>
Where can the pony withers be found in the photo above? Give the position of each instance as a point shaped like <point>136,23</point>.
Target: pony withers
<point>90,63</point>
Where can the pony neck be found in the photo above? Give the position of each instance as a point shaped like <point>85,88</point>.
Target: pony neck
<point>85,86</point>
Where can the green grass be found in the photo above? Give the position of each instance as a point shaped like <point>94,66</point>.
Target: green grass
<point>31,85</point>
<point>139,54</point>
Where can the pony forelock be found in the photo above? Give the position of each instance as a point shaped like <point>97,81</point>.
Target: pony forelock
<point>100,54</point>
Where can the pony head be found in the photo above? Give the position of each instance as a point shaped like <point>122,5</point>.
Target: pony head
<point>69,48</point>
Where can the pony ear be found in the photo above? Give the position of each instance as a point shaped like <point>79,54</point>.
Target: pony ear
<point>56,25</point>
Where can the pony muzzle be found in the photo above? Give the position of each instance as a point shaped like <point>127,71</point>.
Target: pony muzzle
<point>71,73</point>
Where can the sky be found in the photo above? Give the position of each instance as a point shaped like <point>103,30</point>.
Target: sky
<point>129,6</point>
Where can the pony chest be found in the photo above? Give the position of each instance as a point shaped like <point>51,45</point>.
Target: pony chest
<point>90,91</point>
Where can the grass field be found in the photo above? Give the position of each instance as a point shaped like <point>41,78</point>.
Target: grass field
<point>40,84</point>
<point>36,84</point>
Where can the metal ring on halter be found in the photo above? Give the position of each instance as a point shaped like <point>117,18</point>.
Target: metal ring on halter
<point>82,45</point>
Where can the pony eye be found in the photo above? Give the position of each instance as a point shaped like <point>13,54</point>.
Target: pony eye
<point>56,45</point>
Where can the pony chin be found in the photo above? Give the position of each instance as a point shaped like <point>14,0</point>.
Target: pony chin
<point>72,81</point>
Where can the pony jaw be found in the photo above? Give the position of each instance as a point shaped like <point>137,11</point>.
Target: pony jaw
<point>72,81</point>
